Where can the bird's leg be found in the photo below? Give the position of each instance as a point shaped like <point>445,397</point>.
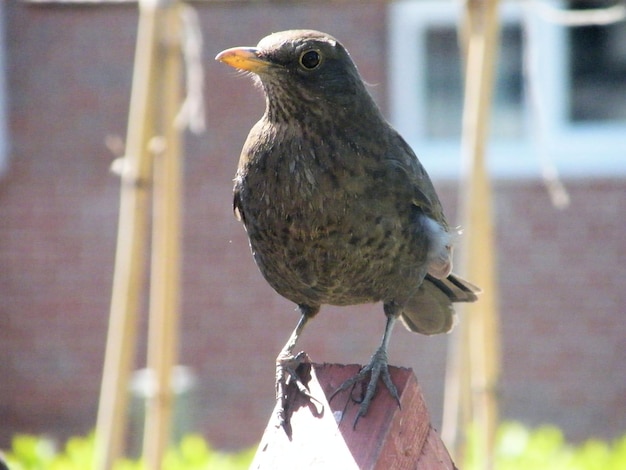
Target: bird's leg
<point>377,368</point>
<point>286,367</point>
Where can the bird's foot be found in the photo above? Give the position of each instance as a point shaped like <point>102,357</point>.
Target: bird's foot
<point>289,371</point>
<point>377,368</point>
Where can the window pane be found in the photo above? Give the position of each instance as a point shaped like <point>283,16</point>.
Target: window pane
<point>597,70</point>
<point>444,94</point>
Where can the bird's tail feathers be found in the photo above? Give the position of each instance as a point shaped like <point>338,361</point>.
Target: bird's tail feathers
<point>430,310</point>
<point>456,288</point>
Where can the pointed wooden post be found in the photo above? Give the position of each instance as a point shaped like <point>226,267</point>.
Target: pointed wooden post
<point>322,435</point>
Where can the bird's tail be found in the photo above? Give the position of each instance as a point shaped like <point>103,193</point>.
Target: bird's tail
<point>430,310</point>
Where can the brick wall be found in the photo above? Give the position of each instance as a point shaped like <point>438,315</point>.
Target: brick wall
<point>561,273</point>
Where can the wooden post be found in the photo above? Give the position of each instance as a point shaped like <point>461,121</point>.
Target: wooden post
<point>165,272</point>
<point>322,434</point>
<point>129,257</point>
<point>479,348</point>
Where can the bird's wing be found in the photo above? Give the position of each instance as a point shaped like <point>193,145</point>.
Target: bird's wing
<point>423,193</point>
<point>424,197</point>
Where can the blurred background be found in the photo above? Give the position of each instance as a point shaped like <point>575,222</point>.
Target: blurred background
<point>560,105</point>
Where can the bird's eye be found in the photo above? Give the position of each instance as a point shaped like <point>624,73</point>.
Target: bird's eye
<point>310,59</point>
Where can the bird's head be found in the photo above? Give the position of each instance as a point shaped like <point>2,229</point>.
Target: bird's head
<point>300,69</point>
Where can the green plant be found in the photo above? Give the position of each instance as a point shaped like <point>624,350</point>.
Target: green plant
<point>517,448</point>
<point>545,448</point>
<point>192,453</point>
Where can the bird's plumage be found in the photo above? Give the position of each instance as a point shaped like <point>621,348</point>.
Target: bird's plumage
<point>337,207</point>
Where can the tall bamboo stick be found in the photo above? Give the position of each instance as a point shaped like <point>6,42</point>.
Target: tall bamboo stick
<point>479,347</point>
<point>129,257</point>
<point>165,274</point>
<point>476,198</point>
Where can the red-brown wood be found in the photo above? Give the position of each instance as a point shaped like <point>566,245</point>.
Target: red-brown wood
<point>322,434</point>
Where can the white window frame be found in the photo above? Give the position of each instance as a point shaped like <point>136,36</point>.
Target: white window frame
<point>576,149</point>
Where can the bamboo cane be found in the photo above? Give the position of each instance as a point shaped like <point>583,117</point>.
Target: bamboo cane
<point>129,260</point>
<point>478,257</point>
<point>164,285</point>
<point>479,340</point>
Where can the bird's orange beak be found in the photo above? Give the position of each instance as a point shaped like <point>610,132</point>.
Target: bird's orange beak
<point>243,58</point>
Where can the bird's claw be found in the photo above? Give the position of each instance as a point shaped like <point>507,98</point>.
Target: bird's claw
<point>287,368</point>
<point>377,368</point>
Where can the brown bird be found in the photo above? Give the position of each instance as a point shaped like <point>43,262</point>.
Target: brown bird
<point>337,207</point>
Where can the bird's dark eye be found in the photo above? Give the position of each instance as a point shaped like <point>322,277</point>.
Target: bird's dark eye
<point>310,59</point>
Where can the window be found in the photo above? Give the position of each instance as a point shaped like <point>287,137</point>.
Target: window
<point>574,115</point>
<point>597,70</point>
<point>444,85</point>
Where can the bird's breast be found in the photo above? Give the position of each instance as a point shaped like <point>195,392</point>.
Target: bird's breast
<point>326,224</point>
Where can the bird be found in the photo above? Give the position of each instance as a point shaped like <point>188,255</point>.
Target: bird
<point>336,205</point>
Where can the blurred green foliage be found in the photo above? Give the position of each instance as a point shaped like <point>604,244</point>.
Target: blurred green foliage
<point>545,448</point>
<point>517,448</point>
<point>193,453</point>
